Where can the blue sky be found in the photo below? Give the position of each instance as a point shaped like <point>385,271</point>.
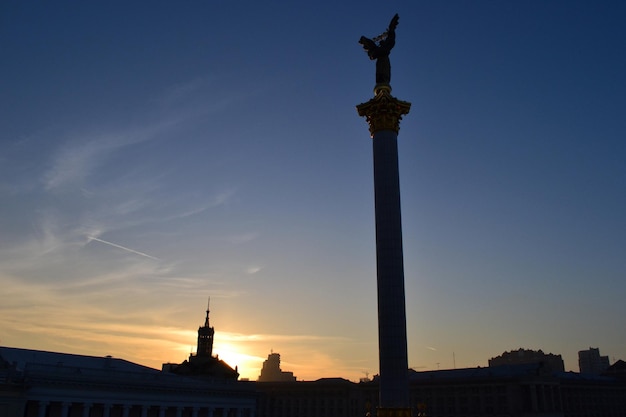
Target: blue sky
<point>154,155</point>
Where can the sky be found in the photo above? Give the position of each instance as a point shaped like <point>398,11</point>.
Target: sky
<point>156,154</point>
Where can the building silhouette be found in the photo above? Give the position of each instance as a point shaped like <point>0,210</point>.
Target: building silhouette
<point>271,372</point>
<point>513,390</point>
<point>35,383</point>
<point>326,397</point>
<point>203,363</point>
<point>590,361</point>
<point>550,362</point>
<point>617,370</point>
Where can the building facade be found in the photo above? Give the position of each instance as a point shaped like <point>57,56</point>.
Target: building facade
<point>48,384</point>
<point>519,390</point>
<point>328,397</point>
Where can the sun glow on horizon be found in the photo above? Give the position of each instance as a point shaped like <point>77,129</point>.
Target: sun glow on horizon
<point>248,366</point>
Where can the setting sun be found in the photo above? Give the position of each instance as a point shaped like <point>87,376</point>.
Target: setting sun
<point>249,366</point>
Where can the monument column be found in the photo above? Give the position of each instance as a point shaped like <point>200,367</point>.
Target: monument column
<point>383,114</point>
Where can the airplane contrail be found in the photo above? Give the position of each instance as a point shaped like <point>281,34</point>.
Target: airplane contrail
<point>122,247</point>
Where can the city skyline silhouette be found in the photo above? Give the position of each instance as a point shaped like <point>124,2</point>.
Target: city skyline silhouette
<point>154,156</point>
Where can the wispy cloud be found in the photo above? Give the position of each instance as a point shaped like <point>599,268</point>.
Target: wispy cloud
<point>238,337</point>
<point>253,270</point>
<point>79,156</point>
<point>190,209</point>
<point>182,91</point>
<point>239,239</point>
<point>112,187</point>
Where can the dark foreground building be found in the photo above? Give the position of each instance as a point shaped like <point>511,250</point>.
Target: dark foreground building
<point>329,397</point>
<point>47,384</point>
<point>521,390</point>
<point>36,383</point>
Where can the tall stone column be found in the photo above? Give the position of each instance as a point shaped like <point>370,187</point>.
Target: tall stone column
<point>383,114</point>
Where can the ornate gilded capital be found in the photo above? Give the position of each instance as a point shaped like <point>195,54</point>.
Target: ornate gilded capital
<point>384,111</point>
<point>393,412</point>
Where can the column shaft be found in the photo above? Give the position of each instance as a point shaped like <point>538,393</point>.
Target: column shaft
<point>383,114</point>
<point>390,273</point>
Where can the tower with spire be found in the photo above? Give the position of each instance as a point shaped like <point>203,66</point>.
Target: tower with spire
<point>202,363</point>
<point>205,336</point>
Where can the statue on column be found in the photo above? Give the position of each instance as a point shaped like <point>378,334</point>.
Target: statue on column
<point>379,49</point>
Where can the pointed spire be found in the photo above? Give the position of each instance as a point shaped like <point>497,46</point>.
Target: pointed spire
<point>206,320</point>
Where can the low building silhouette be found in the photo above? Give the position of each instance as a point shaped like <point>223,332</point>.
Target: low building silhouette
<point>550,361</point>
<point>513,390</point>
<point>47,384</point>
<point>35,383</point>
<point>617,370</point>
<point>326,397</point>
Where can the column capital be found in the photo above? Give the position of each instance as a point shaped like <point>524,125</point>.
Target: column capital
<point>384,111</point>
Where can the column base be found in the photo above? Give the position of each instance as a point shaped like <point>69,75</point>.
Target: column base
<point>393,412</point>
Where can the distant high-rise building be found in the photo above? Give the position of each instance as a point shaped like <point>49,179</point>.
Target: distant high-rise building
<point>550,361</point>
<point>271,371</point>
<point>590,361</point>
